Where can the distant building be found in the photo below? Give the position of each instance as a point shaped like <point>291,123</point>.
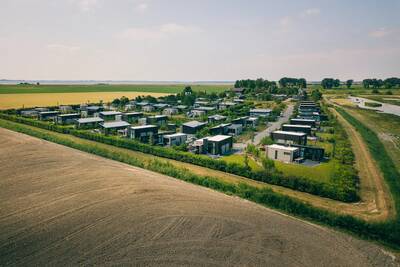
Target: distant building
<point>88,123</point>
<point>147,108</point>
<point>114,127</point>
<point>143,133</point>
<point>157,119</point>
<point>252,121</point>
<point>297,128</point>
<point>176,139</point>
<point>192,127</point>
<point>65,109</point>
<point>309,122</point>
<point>220,144</point>
<point>170,111</point>
<point>220,129</point>
<point>109,115</point>
<point>238,90</point>
<point>289,138</point>
<point>260,112</point>
<point>67,118</point>
<point>160,106</point>
<point>225,105</point>
<point>216,118</point>
<point>31,113</point>
<point>48,115</point>
<point>235,129</point>
<point>285,154</point>
<point>205,109</point>
<point>132,117</point>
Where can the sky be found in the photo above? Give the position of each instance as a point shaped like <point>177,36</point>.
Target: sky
<point>202,40</point>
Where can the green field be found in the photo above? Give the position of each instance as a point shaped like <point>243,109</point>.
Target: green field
<point>150,88</point>
<point>322,172</point>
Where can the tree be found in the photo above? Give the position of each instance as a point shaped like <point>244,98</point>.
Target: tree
<point>302,83</point>
<point>349,83</point>
<point>268,164</point>
<point>188,90</point>
<point>316,95</point>
<point>327,83</point>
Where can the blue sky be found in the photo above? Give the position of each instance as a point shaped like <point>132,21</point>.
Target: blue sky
<point>198,40</point>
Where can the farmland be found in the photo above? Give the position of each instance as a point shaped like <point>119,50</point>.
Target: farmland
<point>58,208</point>
<point>8,101</point>
<point>141,88</point>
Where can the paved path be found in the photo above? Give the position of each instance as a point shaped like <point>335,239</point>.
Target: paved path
<point>239,147</point>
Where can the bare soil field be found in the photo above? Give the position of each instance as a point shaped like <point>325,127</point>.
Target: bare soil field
<point>60,206</point>
<point>8,101</point>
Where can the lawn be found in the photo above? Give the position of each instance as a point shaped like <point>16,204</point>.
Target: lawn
<point>150,88</point>
<point>321,172</point>
<point>237,158</point>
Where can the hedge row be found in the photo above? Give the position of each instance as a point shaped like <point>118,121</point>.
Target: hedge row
<point>388,233</point>
<point>328,190</point>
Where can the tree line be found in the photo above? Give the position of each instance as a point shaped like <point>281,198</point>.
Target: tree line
<point>329,83</point>
<point>261,83</point>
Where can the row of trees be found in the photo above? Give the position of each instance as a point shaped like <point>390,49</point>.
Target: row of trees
<point>329,83</point>
<point>260,83</point>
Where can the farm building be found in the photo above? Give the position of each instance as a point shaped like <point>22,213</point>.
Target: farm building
<point>110,115</point>
<point>235,129</point>
<point>192,127</point>
<point>147,108</point>
<point>220,129</point>
<point>143,133</point>
<point>285,154</point>
<point>220,144</point>
<point>176,139</point>
<point>260,112</point>
<point>142,104</point>
<point>216,118</point>
<point>298,121</point>
<point>88,123</point>
<point>48,115</point>
<point>42,109</point>
<point>297,128</point>
<point>171,127</point>
<point>113,126</point>
<point>131,117</point>
<point>170,111</point>
<point>67,118</point>
<point>157,119</point>
<point>289,138</point>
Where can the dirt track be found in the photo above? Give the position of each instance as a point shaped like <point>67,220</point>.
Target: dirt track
<point>374,192</point>
<point>63,207</point>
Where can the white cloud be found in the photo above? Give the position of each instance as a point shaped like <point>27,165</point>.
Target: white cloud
<point>63,48</point>
<point>311,12</point>
<point>159,32</point>
<point>381,32</point>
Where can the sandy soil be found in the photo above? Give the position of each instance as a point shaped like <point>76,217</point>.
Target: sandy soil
<point>60,206</point>
<point>8,101</point>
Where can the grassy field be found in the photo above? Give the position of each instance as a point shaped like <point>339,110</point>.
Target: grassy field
<point>386,126</point>
<point>142,88</point>
<point>389,99</point>
<point>8,101</point>
<point>321,172</point>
